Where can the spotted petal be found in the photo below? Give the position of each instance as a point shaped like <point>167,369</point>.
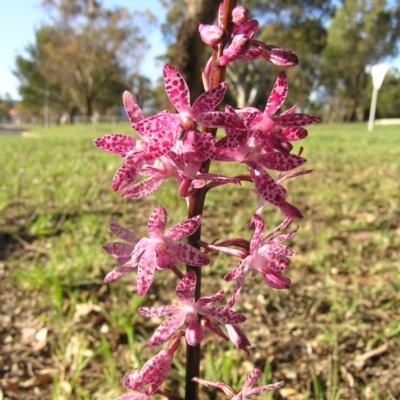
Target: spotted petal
<point>189,255</point>
<point>158,311</point>
<point>203,301</point>
<point>226,316</point>
<point>259,231</point>
<point>143,188</point>
<point>119,271</point>
<point>278,94</point>
<point>210,99</point>
<point>186,287</point>
<point>132,109</point>
<point>121,251</point>
<point>276,280</point>
<point>185,228</point>
<point>157,221</point>
<point>194,333</point>
<point>280,161</point>
<point>133,396</point>
<point>266,186</point>
<point>277,55</point>
<point>216,119</point>
<point>145,273</point>
<point>176,88</point>
<point>155,371</point>
<point>295,119</point>
<point>122,233</point>
<point>166,330</point>
<point>116,143</point>
<point>292,133</point>
<point>127,173</point>
<point>248,28</point>
<point>244,267</point>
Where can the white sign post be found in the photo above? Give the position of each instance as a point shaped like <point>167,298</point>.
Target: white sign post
<point>378,73</point>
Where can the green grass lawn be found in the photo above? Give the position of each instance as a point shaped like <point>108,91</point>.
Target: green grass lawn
<point>55,204</point>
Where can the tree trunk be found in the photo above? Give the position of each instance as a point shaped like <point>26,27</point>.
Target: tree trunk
<point>89,107</point>
<point>72,113</point>
<point>188,51</point>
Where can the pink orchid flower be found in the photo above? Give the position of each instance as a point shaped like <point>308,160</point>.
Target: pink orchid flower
<point>201,112</point>
<point>261,140</point>
<point>189,313</point>
<point>242,45</point>
<point>146,382</point>
<point>248,388</point>
<point>136,153</point>
<point>159,251</point>
<point>265,256</point>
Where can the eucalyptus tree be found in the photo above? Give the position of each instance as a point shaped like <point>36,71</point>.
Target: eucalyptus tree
<point>361,33</point>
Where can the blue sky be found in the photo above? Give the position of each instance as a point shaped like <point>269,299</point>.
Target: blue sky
<point>20,18</point>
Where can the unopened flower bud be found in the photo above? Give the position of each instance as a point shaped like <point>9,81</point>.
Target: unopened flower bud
<point>277,55</point>
<point>211,34</point>
<point>240,44</point>
<point>239,15</point>
<point>238,338</point>
<point>248,28</point>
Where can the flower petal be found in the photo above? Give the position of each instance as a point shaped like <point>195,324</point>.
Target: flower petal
<point>133,396</point>
<point>226,316</point>
<point>119,271</point>
<point>143,188</point>
<point>295,119</point>
<point>145,273</point>
<point>132,109</point>
<point>280,161</point>
<point>245,264</point>
<point>203,301</point>
<point>209,100</point>
<point>238,338</point>
<point>251,380</point>
<point>119,249</point>
<point>157,222</point>
<point>122,232</point>
<point>216,119</point>
<point>271,386</point>
<point>276,280</point>
<point>127,173</point>
<point>211,34</point>
<point>277,55</point>
<point>259,231</point>
<point>186,287</point>
<point>278,94</point>
<point>176,88</point>
<point>194,333</point>
<point>156,370</point>
<point>293,133</point>
<point>188,254</point>
<point>184,228</point>
<point>116,143</point>
<point>166,330</point>
<point>266,186</point>
<point>158,311</point>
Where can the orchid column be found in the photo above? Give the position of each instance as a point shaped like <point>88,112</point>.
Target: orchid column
<point>171,145</point>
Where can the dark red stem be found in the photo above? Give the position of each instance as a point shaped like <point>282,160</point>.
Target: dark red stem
<point>196,206</point>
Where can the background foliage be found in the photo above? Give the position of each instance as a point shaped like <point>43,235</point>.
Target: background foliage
<point>86,55</point>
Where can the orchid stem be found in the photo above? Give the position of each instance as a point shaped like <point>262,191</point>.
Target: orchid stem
<point>196,206</point>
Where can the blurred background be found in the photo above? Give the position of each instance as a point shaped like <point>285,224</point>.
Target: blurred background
<point>64,65</point>
<point>65,61</point>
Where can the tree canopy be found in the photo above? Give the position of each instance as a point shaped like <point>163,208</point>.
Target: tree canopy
<point>86,55</point>
<point>82,59</point>
<point>335,41</point>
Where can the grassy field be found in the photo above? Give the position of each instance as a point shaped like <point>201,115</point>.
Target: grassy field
<point>66,335</point>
